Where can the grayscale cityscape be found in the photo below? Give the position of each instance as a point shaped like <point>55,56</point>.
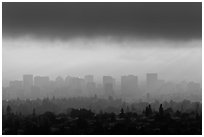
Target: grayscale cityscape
<point>128,88</point>
<point>101,68</point>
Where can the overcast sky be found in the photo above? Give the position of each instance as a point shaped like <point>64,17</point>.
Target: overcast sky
<point>166,20</point>
<point>102,38</point>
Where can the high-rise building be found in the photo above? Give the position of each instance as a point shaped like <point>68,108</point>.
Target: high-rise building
<point>16,89</point>
<point>42,81</point>
<point>108,85</point>
<point>16,84</point>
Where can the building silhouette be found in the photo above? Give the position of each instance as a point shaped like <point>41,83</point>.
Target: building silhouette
<point>16,89</point>
<point>16,84</point>
<point>41,81</point>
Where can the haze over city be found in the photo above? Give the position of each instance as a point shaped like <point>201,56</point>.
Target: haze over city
<point>102,68</point>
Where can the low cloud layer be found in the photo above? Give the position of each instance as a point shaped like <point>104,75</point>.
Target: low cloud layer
<point>77,57</point>
<point>174,21</point>
<point>98,41</point>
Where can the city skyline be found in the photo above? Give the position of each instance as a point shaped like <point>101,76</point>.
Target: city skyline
<point>129,87</point>
<point>102,68</point>
<point>98,79</point>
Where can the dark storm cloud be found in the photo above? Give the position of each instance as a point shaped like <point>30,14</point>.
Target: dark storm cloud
<point>153,20</point>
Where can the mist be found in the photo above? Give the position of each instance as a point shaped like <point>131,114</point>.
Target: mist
<point>97,68</point>
<point>173,60</point>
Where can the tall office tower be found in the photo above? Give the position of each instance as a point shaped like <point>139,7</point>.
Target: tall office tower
<point>16,89</point>
<point>108,85</point>
<point>129,86</point>
<point>152,82</point>
<point>16,84</point>
<point>42,81</point>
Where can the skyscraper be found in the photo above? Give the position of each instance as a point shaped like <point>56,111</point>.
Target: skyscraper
<point>16,84</point>
<point>16,89</point>
<point>41,81</point>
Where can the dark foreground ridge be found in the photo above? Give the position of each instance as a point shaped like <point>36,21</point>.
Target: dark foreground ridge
<point>83,121</point>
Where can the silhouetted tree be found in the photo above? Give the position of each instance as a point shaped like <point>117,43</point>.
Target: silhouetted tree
<point>85,121</point>
<point>148,110</point>
<point>121,113</point>
<point>161,110</point>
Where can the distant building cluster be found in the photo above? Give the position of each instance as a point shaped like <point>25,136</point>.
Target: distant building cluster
<point>42,86</point>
